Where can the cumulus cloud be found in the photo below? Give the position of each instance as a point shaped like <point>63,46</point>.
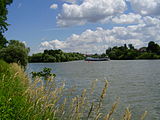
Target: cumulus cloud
<point>130,18</point>
<point>100,39</point>
<point>106,11</point>
<point>54,44</point>
<point>24,42</point>
<point>70,1</point>
<point>146,7</point>
<point>89,11</point>
<point>54,6</point>
<point>141,26</point>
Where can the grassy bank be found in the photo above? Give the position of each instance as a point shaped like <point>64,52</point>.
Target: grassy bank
<point>21,99</point>
<point>13,83</point>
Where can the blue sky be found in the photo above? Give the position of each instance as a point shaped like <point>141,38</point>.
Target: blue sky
<point>84,25</point>
<point>30,20</point>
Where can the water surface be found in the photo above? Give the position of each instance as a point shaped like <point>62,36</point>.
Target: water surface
<point>136,82</point>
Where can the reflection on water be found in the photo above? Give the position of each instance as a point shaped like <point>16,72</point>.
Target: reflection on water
<point>137,83</point>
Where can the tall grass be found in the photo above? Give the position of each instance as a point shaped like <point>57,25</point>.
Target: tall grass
<point>23,99</point>
<point>13,84</point>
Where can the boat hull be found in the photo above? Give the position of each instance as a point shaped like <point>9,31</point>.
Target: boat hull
<point>97,59</point>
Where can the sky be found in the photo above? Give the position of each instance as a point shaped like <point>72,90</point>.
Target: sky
<point>85,26</point>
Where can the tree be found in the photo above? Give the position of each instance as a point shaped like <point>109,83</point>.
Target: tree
<point>15,52</point>
<point>3,18</point>
<point>153,47</point>
<point>35,58</point>
<point>55,56</point>
<point>130,46</point>
<point>3,14</point>
<point>147,55</point>
<point>48,58</point>
<point>3,41</point>
<point>108,50</point>
<point>125,46</point>
<point>45,73</point>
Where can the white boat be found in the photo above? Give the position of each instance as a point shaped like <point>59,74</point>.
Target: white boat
<point>96,59</point>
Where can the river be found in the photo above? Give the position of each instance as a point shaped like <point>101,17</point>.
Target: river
<point>136,82</point>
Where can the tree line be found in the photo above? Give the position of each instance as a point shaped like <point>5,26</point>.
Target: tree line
<point>152,51</point>
<point>55,56</point>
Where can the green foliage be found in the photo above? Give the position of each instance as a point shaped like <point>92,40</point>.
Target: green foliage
<point>130,53</point>
<point>35,57</point>
<point>3,41</point>
<point>3,18</point>
<point>3,14</point>
<point>15,52</point>
<point>11,89</point>
<point>55,56</point>
<point>131,46</point>
<point>98,55</point>
<point>153,47</point>
<point>45,73</point>
<point>149,55</point>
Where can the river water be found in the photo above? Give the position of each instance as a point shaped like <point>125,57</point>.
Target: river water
<point>136,82</point>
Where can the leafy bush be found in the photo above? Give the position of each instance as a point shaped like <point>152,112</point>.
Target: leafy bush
<point>45,73</point>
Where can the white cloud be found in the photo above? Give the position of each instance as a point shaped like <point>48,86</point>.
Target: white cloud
<point>146,7</point>
<point>130,18</point>
<point>54,44</point>
<point>151,21</point>
<point>24,42</point>
<point>89,11</point>
<point>99,40</point>
<point>19,5</point>
<point>54,6</point>
<point>70,1</point>
<point>145,24</point>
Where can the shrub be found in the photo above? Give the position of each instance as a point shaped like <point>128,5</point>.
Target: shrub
<point>45,73</point>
